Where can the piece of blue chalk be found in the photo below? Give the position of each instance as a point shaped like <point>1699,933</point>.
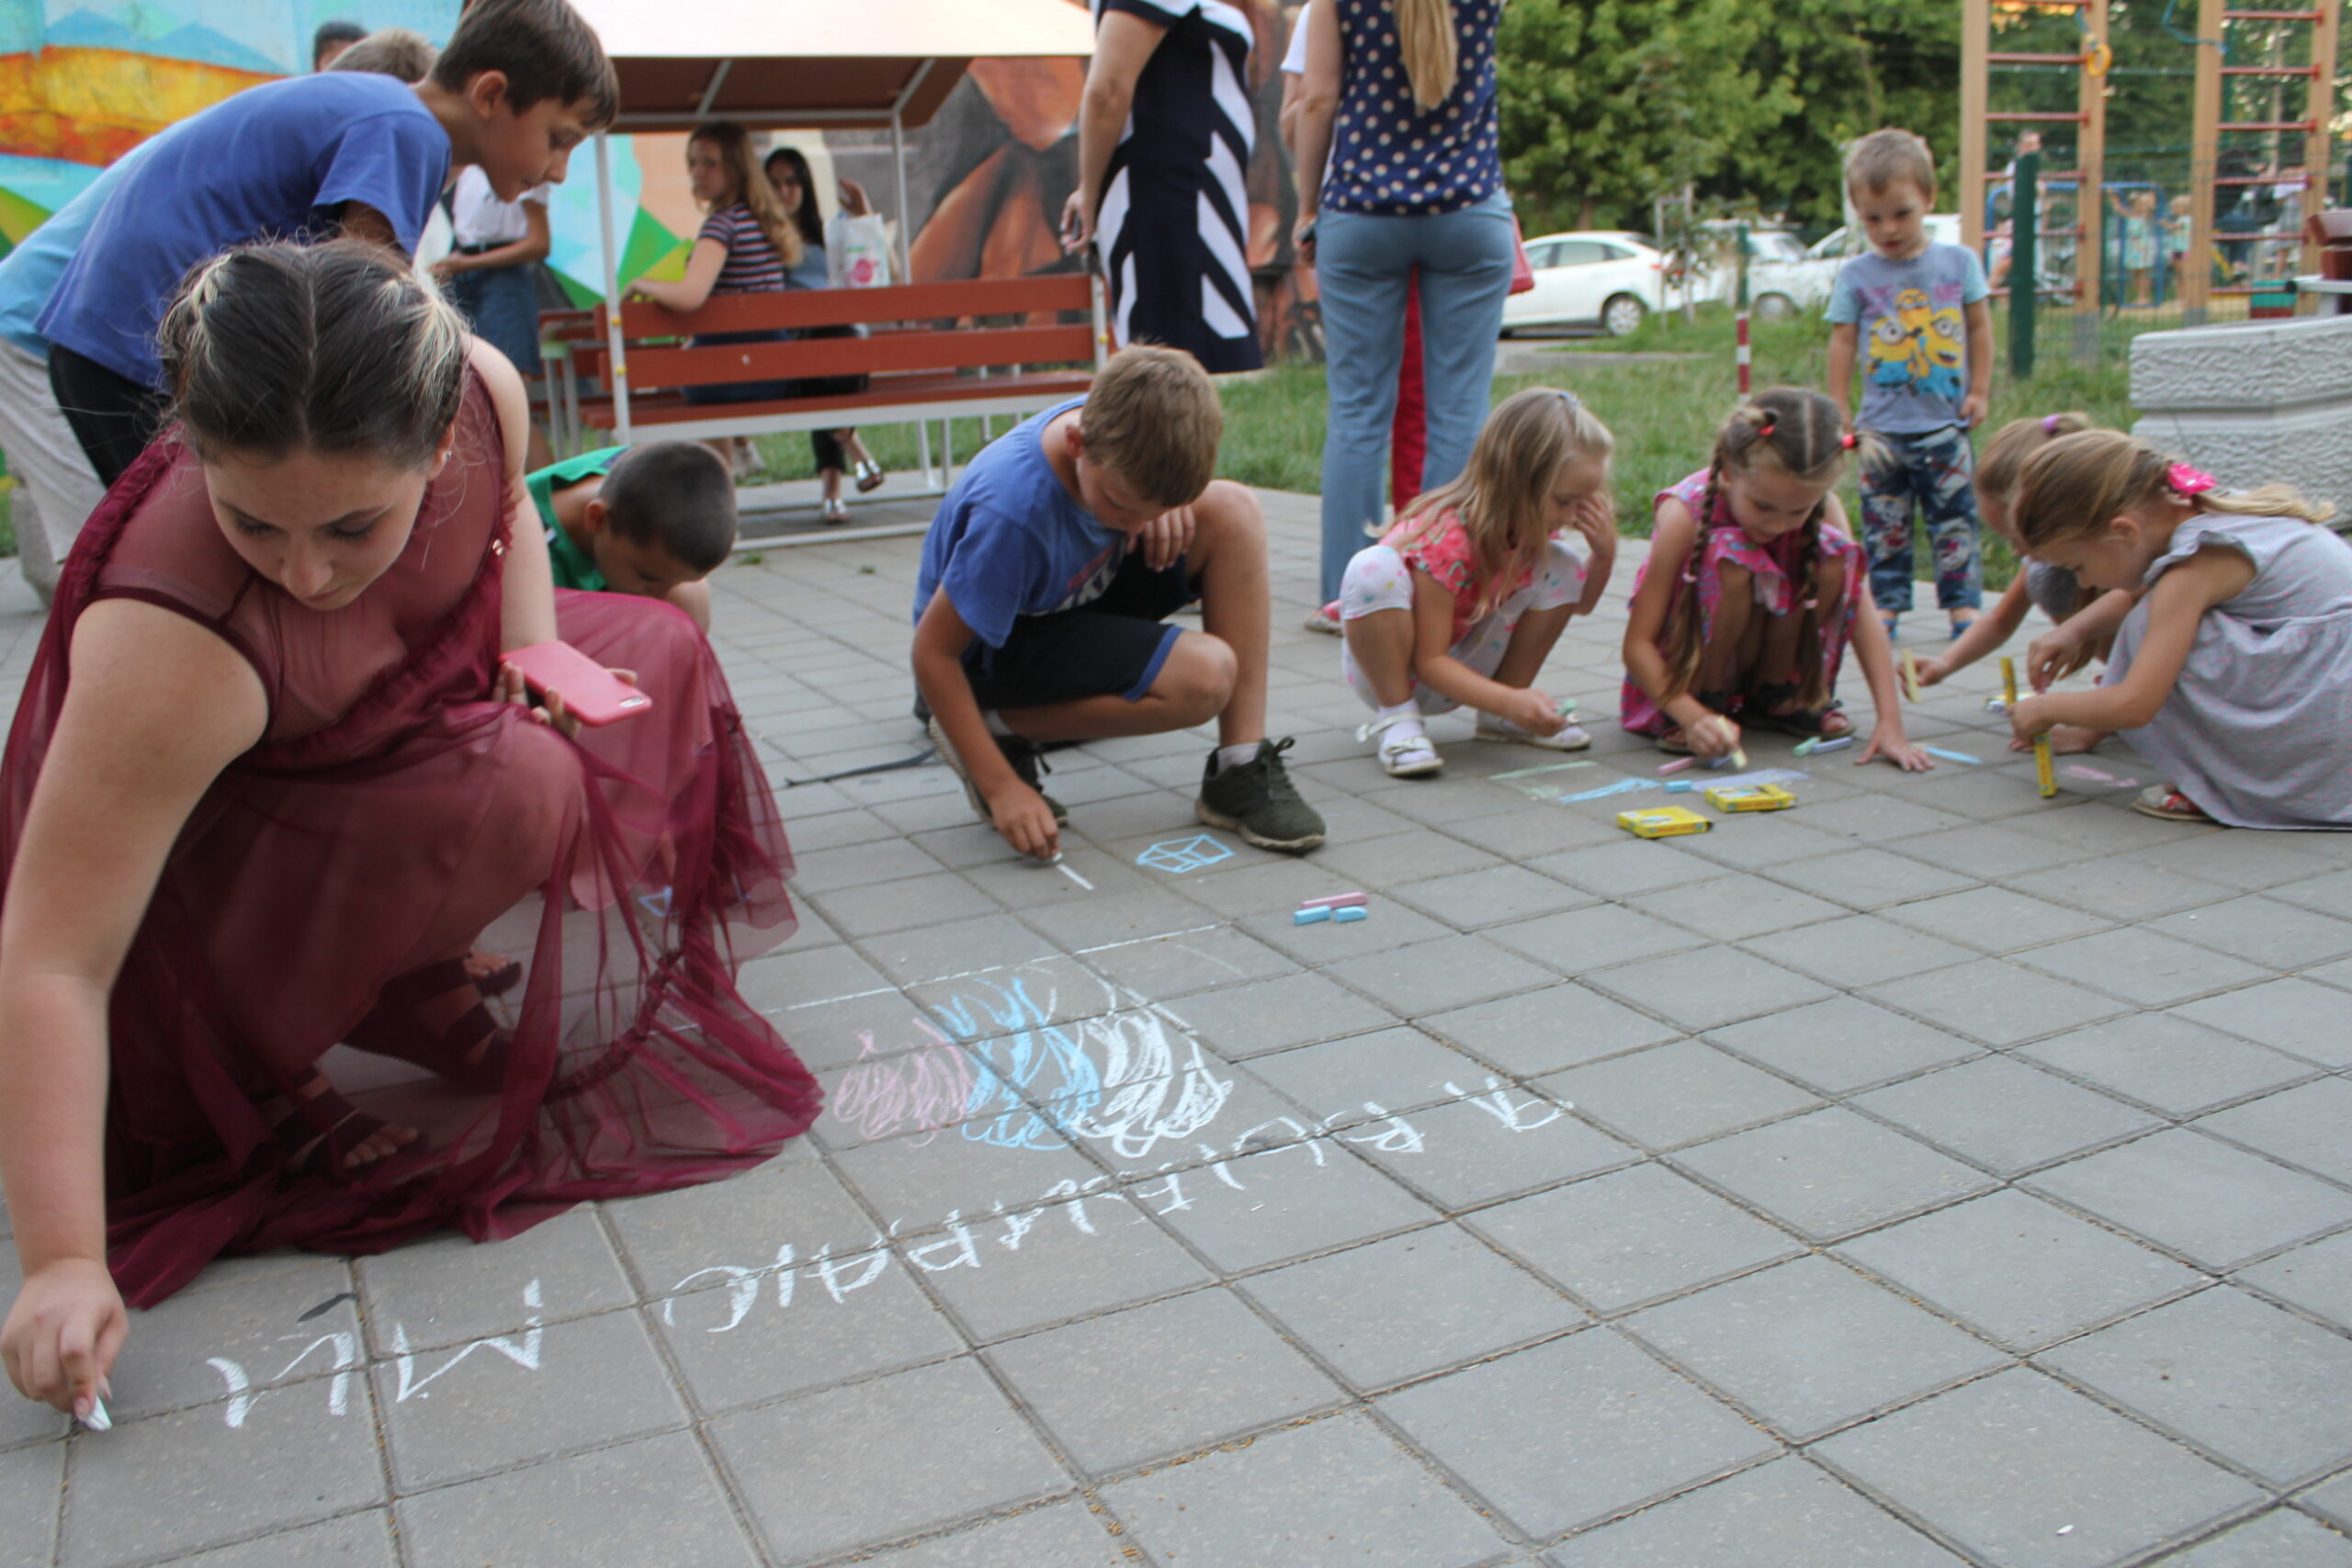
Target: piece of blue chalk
<point>1308,917</point>
<point>1354,912</point>
<point>1681,786</point>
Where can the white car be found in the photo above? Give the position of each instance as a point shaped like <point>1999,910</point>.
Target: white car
<point>1606,278</point>
<point>1783,280</point>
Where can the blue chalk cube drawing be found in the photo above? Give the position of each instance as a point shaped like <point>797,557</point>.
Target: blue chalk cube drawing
<point>1180,855</point>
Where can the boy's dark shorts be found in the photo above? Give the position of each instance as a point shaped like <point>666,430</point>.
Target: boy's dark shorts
<point>1111,645</point>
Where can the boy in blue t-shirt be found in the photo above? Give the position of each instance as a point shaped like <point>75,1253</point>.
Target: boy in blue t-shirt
<point>521,84</point>
<point>1913,314</point>
<point>1045,578</point>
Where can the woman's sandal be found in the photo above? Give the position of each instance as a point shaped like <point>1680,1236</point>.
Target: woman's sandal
<point>869,476</point>
<point>326,1123</point>
<point>1806,723</point>
<point>470,1053</point>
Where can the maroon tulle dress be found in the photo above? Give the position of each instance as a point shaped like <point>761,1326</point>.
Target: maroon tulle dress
<point>393,814</point>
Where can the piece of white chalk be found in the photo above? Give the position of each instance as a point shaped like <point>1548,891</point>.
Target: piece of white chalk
<point>98,1420</point>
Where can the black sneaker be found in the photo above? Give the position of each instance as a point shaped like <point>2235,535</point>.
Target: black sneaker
<point>1027,766</point>
<point>1258,801</point>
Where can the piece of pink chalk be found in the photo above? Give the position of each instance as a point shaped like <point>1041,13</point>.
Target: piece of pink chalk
<point>1331,901</point>
<point>1676,766</point>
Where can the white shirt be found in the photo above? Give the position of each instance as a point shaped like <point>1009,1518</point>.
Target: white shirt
<point>1294,57</point>
<point>478,217</point>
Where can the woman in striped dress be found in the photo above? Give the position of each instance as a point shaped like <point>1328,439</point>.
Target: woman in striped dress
<point>1164,137</point>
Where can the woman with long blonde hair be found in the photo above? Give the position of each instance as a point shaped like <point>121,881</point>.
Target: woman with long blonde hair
<point>1399,105</point>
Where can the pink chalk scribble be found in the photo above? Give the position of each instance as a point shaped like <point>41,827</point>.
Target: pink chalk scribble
<point>923,1089</point>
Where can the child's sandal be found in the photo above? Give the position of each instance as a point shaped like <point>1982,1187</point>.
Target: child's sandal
<point>2165,802</point>
<point>1806,723</point>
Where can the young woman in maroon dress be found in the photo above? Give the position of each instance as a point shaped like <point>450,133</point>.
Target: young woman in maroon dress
<point>270,788</point>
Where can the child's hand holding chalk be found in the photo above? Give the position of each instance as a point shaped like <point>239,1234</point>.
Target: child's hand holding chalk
<point>63,1332</point>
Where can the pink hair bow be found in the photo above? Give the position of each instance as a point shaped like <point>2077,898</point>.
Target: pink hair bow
<point>2186,481</point>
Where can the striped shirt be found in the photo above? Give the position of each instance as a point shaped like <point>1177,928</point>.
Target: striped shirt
<point>753,265</point>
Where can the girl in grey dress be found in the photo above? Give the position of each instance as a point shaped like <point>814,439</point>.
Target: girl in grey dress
<point>2232,674</point>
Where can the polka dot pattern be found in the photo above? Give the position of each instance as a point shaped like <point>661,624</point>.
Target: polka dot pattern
<point>1387,156</point>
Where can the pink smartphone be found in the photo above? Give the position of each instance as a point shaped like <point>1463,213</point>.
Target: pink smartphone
<point>591,693</point>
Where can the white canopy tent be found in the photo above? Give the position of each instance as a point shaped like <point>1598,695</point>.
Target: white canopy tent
<point>798,64</point>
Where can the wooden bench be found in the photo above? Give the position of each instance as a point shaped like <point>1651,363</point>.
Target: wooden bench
<point>983,347</point>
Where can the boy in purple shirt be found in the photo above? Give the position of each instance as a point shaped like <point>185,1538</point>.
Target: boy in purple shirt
<point>521,84</point>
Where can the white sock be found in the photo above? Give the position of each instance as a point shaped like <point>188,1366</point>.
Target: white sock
<point>1234,756</point>
<point>995,722</point>
<point>1406,709</point>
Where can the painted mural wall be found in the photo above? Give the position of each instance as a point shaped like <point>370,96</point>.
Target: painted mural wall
<point>84,81</point>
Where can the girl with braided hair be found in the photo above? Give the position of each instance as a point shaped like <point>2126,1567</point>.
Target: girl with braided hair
<point>1753,589</point>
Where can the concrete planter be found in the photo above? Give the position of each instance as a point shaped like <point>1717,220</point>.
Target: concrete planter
<point>2253,401</point>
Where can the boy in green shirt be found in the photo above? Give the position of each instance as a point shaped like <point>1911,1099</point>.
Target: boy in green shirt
<point>652,520</point>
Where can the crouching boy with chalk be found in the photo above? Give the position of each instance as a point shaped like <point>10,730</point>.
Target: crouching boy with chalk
<point>1045,577</point>
<point>652,520</point>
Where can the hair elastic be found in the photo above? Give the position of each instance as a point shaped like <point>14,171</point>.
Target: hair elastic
<point>1765,427</point>
<point>1568,397</point>
<point>2186,481</point>
<point>1846,442</point>
<point>2050,423</point>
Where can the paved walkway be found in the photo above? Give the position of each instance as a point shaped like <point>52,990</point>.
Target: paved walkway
<point>1927,1175</point>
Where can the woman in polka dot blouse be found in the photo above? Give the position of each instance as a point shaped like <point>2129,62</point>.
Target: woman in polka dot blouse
<point>1398,103</point>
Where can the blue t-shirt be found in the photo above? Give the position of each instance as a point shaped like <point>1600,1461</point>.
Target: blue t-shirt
<point>28,274</point>
<point>1913,343</point>
<point>275,161</point>
<point>1009,540</point>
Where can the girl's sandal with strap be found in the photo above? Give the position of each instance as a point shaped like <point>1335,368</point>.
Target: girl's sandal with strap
<point>470,1053</point>
<point>2167,803</point>
<point>321,1131</point>
<point>1806,723</point>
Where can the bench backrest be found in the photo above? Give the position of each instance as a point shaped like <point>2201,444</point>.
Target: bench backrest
<point>915,327</point>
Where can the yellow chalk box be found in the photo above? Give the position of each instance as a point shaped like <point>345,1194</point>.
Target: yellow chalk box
<point>1750,797</point>
<point>1662,822</point>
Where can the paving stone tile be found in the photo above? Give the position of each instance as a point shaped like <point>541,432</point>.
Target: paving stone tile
<point>257,1322</point>
<point>1996,919</point>
<point>861,865</point>
<point>1279,883</point>
<point>1860,950</point>
<point>2214,1204</point>
<point>1542,1031</point>
<point>31,1480</point>
<point>1581,940</point>
<point>1995,1001</point>
<point>1251,1018</point>
<point>1809,1346</point>
<point>2124,889</point>
<point>2310,1126</point>
<point>1730,909</point>
<point>2292,1014</point>
<point>1676,1094</point>
<point>2262,930</point>
<point>2317,1278</point>
<point>1065,1535</point>
<point>1438,975</point>
<point>1288,1202</point>
<point>2164,1060</point>
<point>2332,1500</point>
<point>885,1458</point>
<point>1619,870</point>
<point>1388,926</point>
<point>1090,921</point>
<point>1708,990</point>
<point>786,985</point>
<point>1470,899</point>
<point>1830,1173</point>
<point>1195,961</point>
<point>1496,1145</point>
<point>1982,850</point>
<point>916,1179</point>
<point>872,908</point>
<point>177,1483</point>
<point>2003,1464</point>
<point>1878,818</point>
<point>2142,966</point>
<point>1043,1264</point>
<point>1394,1069</point>
<point>1332,1492</point>
<point>1573,1430</point>
<point>1599,1238</point>
<point>2279,1538</point>
<point>1873,877</point>
<point>355,1540</point>
<point>1410,1305</point>
<point>1786,1513</point>
<point>1403,857</point>
<point>1842,1044</point>
<point>2239,1377</point>
<point>530,1396</point>
<point>647,1502</point>
<point>670,1237</point>
<point>1158,1381</point>
<point>1528,833</point>
<point>449,1288</point>
<point>2330,893</point>
<point>2003,1115</point>
<point>2238,860</point>
<point>2021,1272</point>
